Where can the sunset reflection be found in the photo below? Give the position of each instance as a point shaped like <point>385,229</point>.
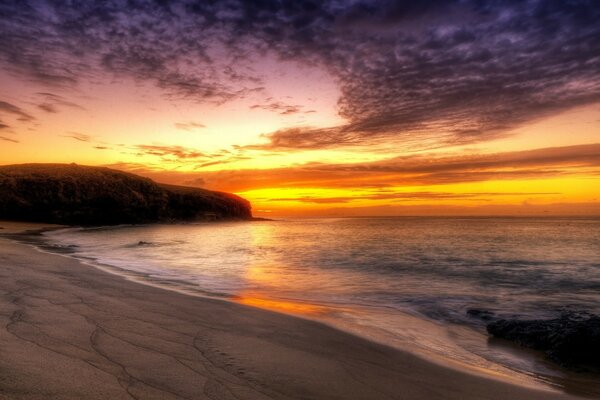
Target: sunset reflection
<point>269,275</point>
<point>256,300</point>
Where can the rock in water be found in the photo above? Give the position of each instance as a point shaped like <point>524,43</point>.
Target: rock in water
<point>572,340</point>
<point>483,315</point>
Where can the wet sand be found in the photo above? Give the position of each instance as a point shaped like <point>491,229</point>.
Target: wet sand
<point>72,331</point>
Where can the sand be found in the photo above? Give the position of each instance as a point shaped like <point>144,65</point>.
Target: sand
<point>72,331</point>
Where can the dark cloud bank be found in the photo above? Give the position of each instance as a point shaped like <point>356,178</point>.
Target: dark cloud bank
<point>420,73</point>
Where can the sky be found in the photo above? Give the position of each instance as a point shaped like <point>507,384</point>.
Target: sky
<point>316,108</point>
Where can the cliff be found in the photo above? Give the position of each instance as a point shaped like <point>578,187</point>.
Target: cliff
<point>81,195</point>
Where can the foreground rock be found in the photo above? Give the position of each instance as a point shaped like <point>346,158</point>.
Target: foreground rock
<point>80,195</point>
<point>572,340</point>
<point>483,315</point>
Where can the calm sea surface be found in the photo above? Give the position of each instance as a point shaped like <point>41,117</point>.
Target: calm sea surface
<point>405,281</point>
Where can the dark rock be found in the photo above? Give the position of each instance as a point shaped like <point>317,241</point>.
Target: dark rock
<point>80,195</point>
<point>483,315</point>
<point>59,248</point>
<point>572,340</point>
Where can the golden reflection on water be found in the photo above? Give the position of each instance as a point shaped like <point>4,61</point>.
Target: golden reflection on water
<point>275,279</point>
<point>272,274</point>
<point>280,305</point>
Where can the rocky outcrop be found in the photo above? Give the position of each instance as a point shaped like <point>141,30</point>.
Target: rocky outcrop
<point>81,195</point>
<point>572,340</point>
<point>483,315</point>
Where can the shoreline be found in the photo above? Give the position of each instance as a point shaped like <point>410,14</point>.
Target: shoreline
<point>94,320</point>
<point>481,367</point>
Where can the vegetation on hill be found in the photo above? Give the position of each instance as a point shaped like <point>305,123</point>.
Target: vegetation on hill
<point>82,195</point>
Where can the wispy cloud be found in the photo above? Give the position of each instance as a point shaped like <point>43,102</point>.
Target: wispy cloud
<point>406,171</point>
<point>176,152</point>
<point>7,139</point>
<point>49,108</point>
<point>382,178</point>
<point>21,115</point>
<point>80,137</point>
<point>278,107</point>
<point>51,103</point>
<point>211,163</point>
<point>189,126</point>
<point>176,157</point>
<point>306,138</point>
<point>423,73</point>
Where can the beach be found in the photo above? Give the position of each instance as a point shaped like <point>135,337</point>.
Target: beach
<point>73,331</point>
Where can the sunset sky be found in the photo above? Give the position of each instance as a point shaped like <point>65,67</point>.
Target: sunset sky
<point>316,108</point>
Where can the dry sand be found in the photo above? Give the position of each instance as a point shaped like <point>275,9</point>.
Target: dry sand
<point>72,331</point>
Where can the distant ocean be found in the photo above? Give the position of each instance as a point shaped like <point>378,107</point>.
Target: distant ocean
<point>408,282</point>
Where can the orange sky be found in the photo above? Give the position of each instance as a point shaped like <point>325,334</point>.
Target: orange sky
<point>311,135</point>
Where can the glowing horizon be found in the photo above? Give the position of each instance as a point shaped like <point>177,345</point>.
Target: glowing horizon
<point>316,109</point>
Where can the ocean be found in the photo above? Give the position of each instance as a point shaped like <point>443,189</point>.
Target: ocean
<point>407,282</point>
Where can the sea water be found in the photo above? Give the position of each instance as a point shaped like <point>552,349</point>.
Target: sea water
<point>407,282</point>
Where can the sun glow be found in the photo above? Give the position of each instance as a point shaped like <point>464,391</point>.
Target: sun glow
<point>302,130</point>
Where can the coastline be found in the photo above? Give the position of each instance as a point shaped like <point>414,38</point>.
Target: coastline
<point>122,339</point>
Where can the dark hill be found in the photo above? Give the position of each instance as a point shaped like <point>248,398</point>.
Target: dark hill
<point>80,195</point>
